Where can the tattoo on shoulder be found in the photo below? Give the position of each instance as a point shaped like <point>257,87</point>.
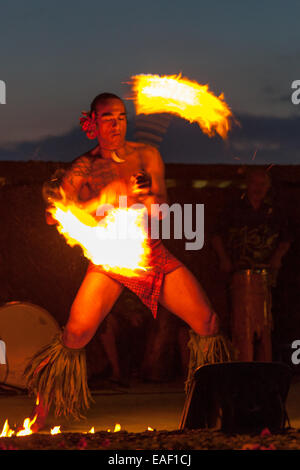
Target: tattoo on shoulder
<point>80,168</point>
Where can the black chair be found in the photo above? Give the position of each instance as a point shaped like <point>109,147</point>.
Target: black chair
<point>238,397</point>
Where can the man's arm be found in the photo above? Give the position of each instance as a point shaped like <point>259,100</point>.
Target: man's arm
<point>72,183</point>
<point>284,241</point>
<point>281,250</point>
<point>75,178</point>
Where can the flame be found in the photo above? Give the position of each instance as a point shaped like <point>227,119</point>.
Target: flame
<point>118,242</point>
<point>27,427</point>
<point>117,427</point>
<point>37,400</point>
<point>55,430</point>
<point>6,431</point>
<point>150,429</point>
<point>182,97</point>
<point>92,430</point>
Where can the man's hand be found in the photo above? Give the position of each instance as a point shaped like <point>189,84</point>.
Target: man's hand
<point>49,219</point>
<point>140,183</point>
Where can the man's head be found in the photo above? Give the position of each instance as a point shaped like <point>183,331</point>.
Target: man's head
<point>111,122</point>
<point>258,184</point>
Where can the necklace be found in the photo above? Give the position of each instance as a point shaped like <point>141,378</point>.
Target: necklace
<point>115,157</point>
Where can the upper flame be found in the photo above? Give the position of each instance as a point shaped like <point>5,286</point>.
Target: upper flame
<point>183,97</point>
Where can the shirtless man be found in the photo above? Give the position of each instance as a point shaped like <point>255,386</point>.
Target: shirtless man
<point>116,159</point>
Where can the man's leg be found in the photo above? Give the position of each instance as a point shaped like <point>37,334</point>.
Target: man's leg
<point>94,300</point>
<point>182,295</point>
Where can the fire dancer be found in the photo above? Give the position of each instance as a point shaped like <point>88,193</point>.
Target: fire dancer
<point>118,167</point>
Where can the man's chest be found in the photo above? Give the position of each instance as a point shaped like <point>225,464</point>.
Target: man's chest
<point>102,172</point>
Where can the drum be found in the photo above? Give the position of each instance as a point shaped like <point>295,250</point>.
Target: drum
<point>25,328</point>
<point>251,320</point>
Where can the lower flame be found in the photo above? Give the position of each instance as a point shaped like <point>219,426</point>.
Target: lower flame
<point>27,427</point>
<point>55,430</point>
<point>26,431</point>
<point>117,428</point>
<point>6,431</point>
<point>118,243</point>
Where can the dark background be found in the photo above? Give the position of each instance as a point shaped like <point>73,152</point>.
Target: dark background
<point>38,266</point>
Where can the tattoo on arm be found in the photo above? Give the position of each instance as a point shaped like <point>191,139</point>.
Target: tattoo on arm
<point>81,169</point>
<point>75,177</point>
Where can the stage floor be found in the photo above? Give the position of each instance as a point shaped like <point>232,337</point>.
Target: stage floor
<point>135,408</point>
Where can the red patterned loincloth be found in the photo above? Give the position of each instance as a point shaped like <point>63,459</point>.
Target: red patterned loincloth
<point>147,286</point>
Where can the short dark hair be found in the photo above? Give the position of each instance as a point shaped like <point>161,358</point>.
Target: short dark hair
<point>103,98</point>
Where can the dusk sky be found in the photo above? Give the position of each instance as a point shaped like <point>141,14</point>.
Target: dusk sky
<point>56,56</point>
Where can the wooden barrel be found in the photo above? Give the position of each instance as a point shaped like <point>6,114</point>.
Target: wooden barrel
<point>251,318</point>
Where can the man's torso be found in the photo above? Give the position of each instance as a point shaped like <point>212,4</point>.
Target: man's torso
<point>100,172</point>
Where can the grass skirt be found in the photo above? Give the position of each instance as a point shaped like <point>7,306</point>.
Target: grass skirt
<point>57,374</point>
<point>206,350</point>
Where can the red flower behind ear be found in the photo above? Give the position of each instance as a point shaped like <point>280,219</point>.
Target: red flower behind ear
<point>88,124</point>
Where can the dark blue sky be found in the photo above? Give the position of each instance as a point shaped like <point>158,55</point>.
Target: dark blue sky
<point>56,56</point>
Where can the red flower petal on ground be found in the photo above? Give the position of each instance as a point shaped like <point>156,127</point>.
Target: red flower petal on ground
<point>82,444</point>
<point>265,432</point>
<point>105,442</point>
